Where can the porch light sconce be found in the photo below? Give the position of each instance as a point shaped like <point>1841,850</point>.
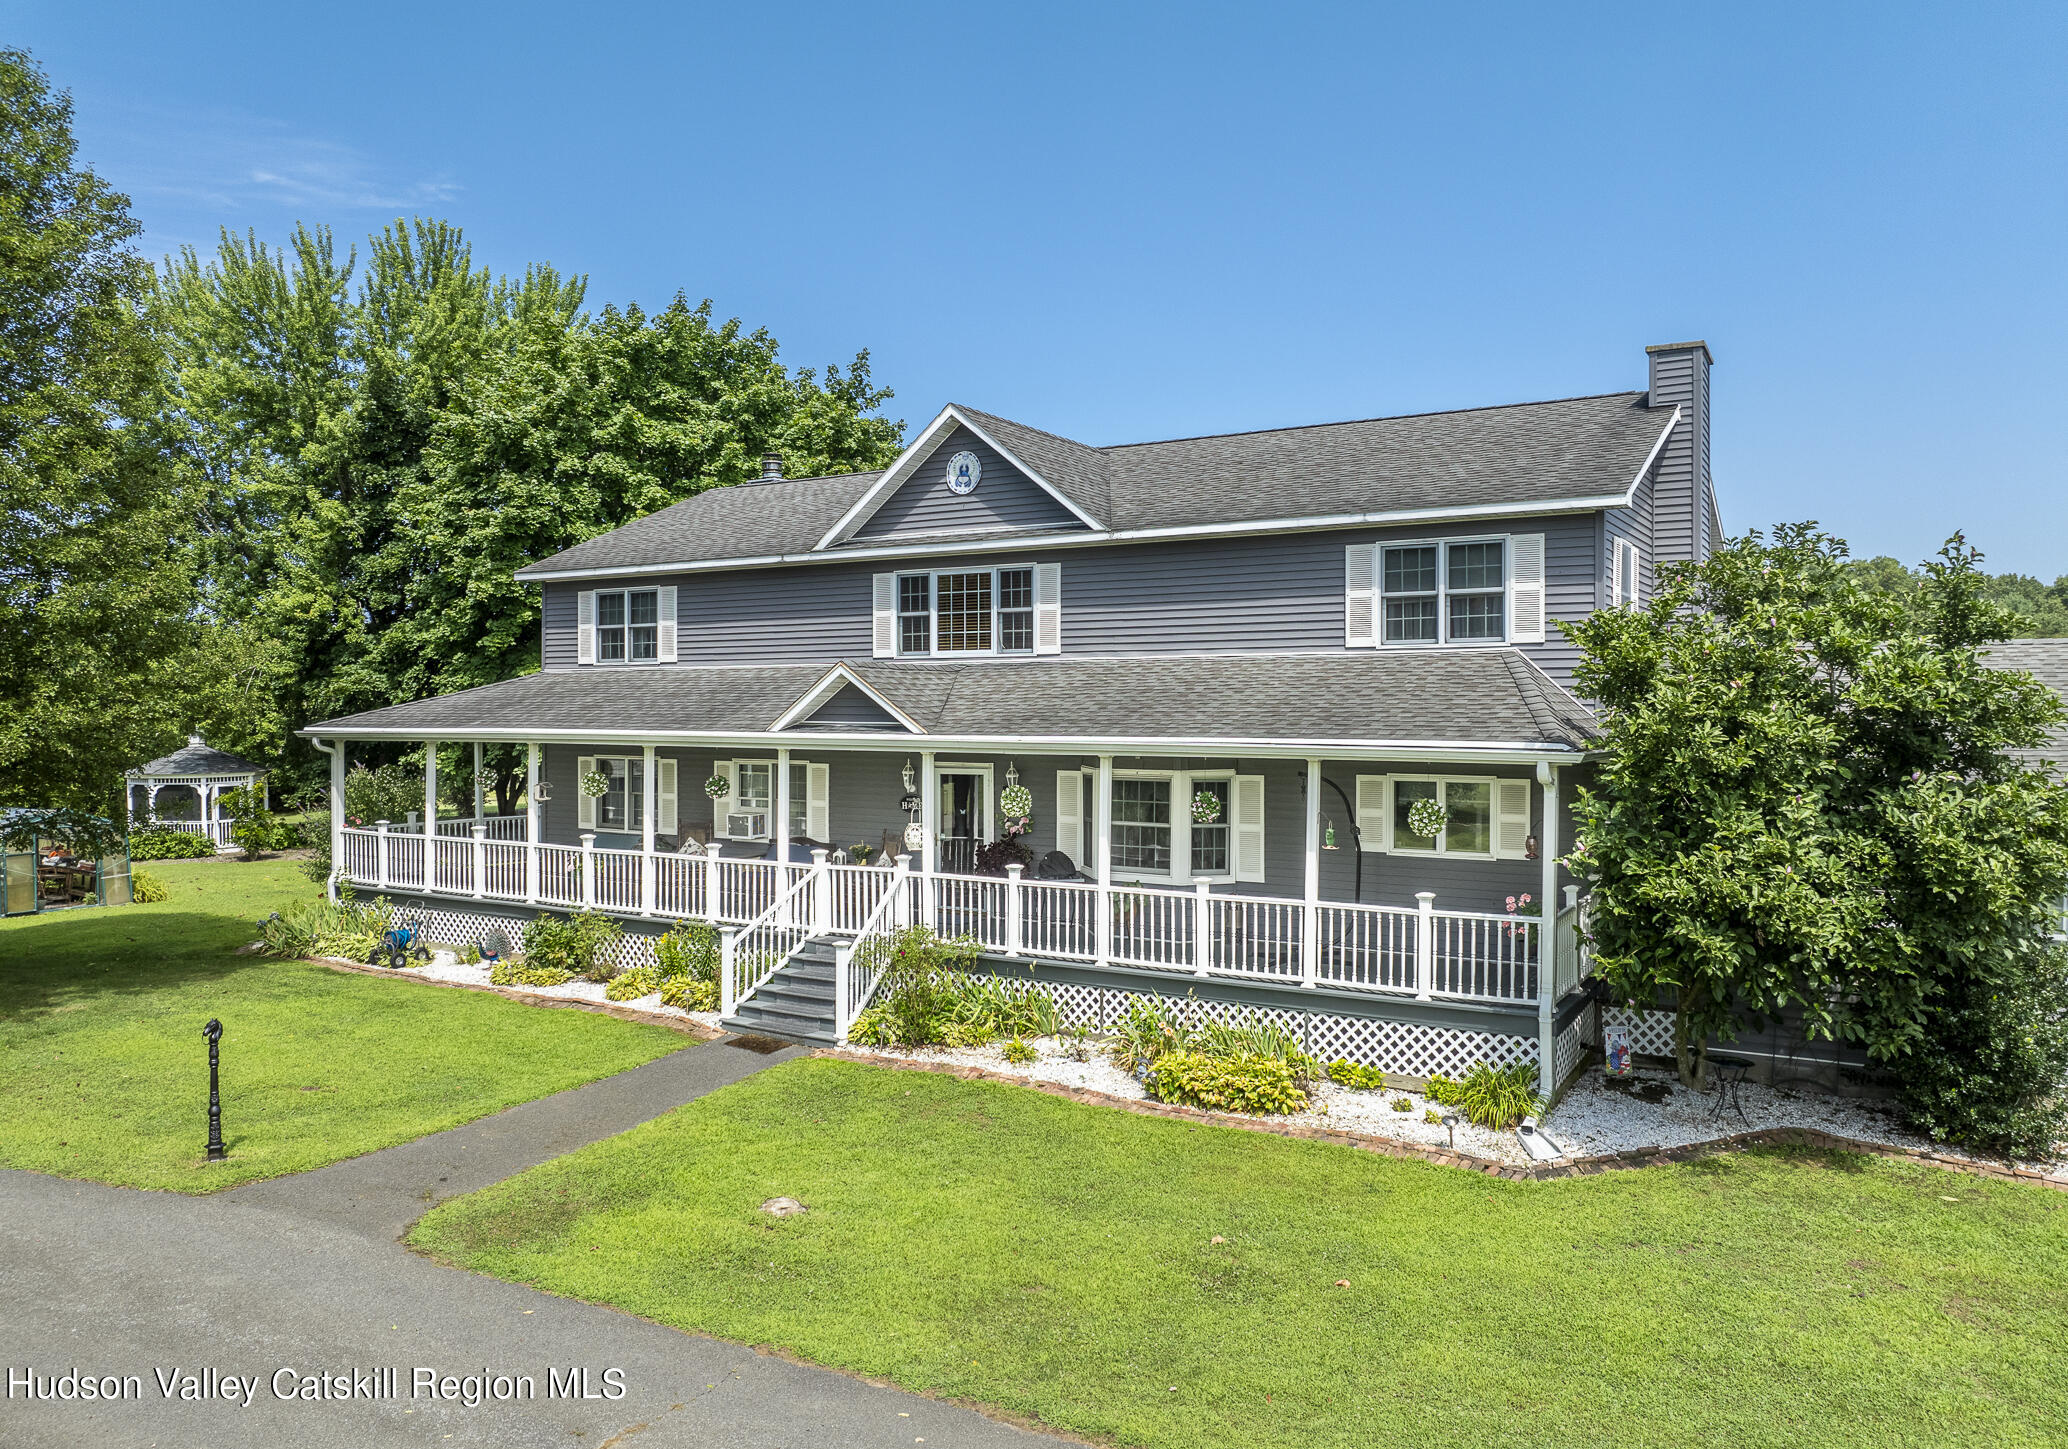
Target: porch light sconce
<point>911,783</point>
<point>1529,848</point>
<point>1012,773</point>
<point>1328,834</point>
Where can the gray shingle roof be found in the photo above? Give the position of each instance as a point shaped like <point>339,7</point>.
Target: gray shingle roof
<point>1440,697</point>
<point>198,758</point>
<point>1526,453</point>
<point>2047,661</point>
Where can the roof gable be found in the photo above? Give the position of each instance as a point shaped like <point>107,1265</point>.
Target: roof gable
<point>1004,498</point>
<point>915,458</point>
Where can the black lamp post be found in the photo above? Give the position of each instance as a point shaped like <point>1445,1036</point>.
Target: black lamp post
<point>216,1151</point>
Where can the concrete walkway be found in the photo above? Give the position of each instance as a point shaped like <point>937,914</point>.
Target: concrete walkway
<point>305,1274</point>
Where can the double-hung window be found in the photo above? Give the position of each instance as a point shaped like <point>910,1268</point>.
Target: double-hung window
<point>1157,833</point>
<point>1443,592</point>
<point>1141,826</point>
<point>628,626</point>
<point>752,806</point>
<point>623,805</point>
<point>966,611</point>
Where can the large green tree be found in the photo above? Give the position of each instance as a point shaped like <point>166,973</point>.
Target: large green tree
<point>1811,802</point>
<point>2041,609</point>
<point>97,627</point>
<point>383,444</point>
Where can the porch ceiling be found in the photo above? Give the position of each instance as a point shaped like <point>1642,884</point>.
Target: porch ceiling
<point>1434,699</point>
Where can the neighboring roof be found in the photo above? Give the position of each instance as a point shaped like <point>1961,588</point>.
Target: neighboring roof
<point>2047,661</point>
<point>1524,455</point>
<point>198,758</point>
<point>1469,698</point>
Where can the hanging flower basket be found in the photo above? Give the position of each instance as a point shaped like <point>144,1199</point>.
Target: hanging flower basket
<point>595,784</point>
<point>1427,818</point>
<point>1016,801</point>
<point>718,787</point>
<point>1206,807</point>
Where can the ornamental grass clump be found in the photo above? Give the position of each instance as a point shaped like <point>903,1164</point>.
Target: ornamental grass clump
<point>931,997</point>
<point>559,948</point>
<point>344,928</point>
<point>1490,1096</point>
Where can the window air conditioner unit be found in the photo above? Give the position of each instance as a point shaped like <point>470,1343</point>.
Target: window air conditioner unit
<point>746,824</point>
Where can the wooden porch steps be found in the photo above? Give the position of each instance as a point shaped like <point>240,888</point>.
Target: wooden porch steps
<point>796,1003</point>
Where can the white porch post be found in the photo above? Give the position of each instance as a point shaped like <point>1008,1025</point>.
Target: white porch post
<point>151,806</point>
<point>430,801</point>
<point>1425,942</point>
<point>479,830</point>
<point>652,805</point>
<point>588,869</point>
<point>532,873</point>
<point>1547,932</point>
<point>821,892</point>
<point>1014,907</point>
<point>779,828</point>
<point>337,812</point>
<point>1202,928</point>
<point>901,884</point>
<point>1310,916</point>
<point>1104,825</point>
<point>929,804</point>
<point>477,779</point>
<point>380,860</point>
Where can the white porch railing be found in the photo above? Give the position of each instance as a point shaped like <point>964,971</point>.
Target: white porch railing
<point>1399,951</point>
<point>498,827</point>
<point>217,831</point>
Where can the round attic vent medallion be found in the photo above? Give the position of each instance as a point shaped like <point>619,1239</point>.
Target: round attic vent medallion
<point>963,472</point>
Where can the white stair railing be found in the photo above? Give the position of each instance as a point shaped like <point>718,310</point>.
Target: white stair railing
<point>759,949</point>
<point>859,966</point>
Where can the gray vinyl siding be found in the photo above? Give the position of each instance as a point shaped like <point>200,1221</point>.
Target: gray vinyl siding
<point>865,788</point>
<point>850,709</point>
<point>1004,497</point>
<point>1681,474</point>
<point>1250,595</point>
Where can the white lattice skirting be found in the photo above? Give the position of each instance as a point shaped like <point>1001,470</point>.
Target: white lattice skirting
<point>1570,1047</point>
<point>1651,1032</point>
<point>1410,1049</point>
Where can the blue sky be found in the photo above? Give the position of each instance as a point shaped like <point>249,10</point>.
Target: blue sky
<point>1123,222</point>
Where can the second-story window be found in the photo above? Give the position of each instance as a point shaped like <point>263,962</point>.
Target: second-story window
<point>966,611</point>
<point>628,625</point>
<point>1434,593</point>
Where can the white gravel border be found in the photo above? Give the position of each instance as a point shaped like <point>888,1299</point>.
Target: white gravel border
<point>1594,1118</point>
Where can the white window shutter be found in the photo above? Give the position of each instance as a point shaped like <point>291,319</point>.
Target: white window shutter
<point>667,624</point>
<point>1511,819</point>
<point>730,770</point>
<point>584,767</point>
<point>585,631</point>
<point>1359,565</point>
<point>1070,814</point>
<point>884,639</point>
<point>818,790</point>
<point>1249,827</point>
<point>666,817</point>
<point>1048,610</point>
<point>1636,574</point>
<point>1526,588</point>
<point>1372,815</point>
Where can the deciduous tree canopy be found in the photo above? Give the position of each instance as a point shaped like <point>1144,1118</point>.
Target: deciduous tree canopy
<point>1811,802</point>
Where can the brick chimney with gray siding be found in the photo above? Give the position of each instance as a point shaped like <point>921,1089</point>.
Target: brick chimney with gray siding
<point>1682,494</point>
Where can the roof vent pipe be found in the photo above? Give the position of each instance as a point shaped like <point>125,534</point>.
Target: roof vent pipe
<point>771,467</point>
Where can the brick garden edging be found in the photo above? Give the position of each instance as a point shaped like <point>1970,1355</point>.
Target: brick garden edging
<point>1486,1166</point>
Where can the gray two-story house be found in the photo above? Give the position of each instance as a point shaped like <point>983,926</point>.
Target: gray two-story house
<point>1279,720</point>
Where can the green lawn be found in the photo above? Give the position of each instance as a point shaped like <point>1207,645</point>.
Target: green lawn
<point>994,1244</point>
<point>104,1072</point>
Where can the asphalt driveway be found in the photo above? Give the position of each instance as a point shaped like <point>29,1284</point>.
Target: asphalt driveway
<point>304,1274</point>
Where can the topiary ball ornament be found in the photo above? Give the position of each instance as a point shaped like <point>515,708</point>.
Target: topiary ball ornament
<point>1016,800</point>
<point>595,784</point>
<point>718,787</point>
<point>1427,818</point>
<point>1206,808</point>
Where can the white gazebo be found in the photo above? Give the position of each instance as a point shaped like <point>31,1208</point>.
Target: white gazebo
<point>184,790</point>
